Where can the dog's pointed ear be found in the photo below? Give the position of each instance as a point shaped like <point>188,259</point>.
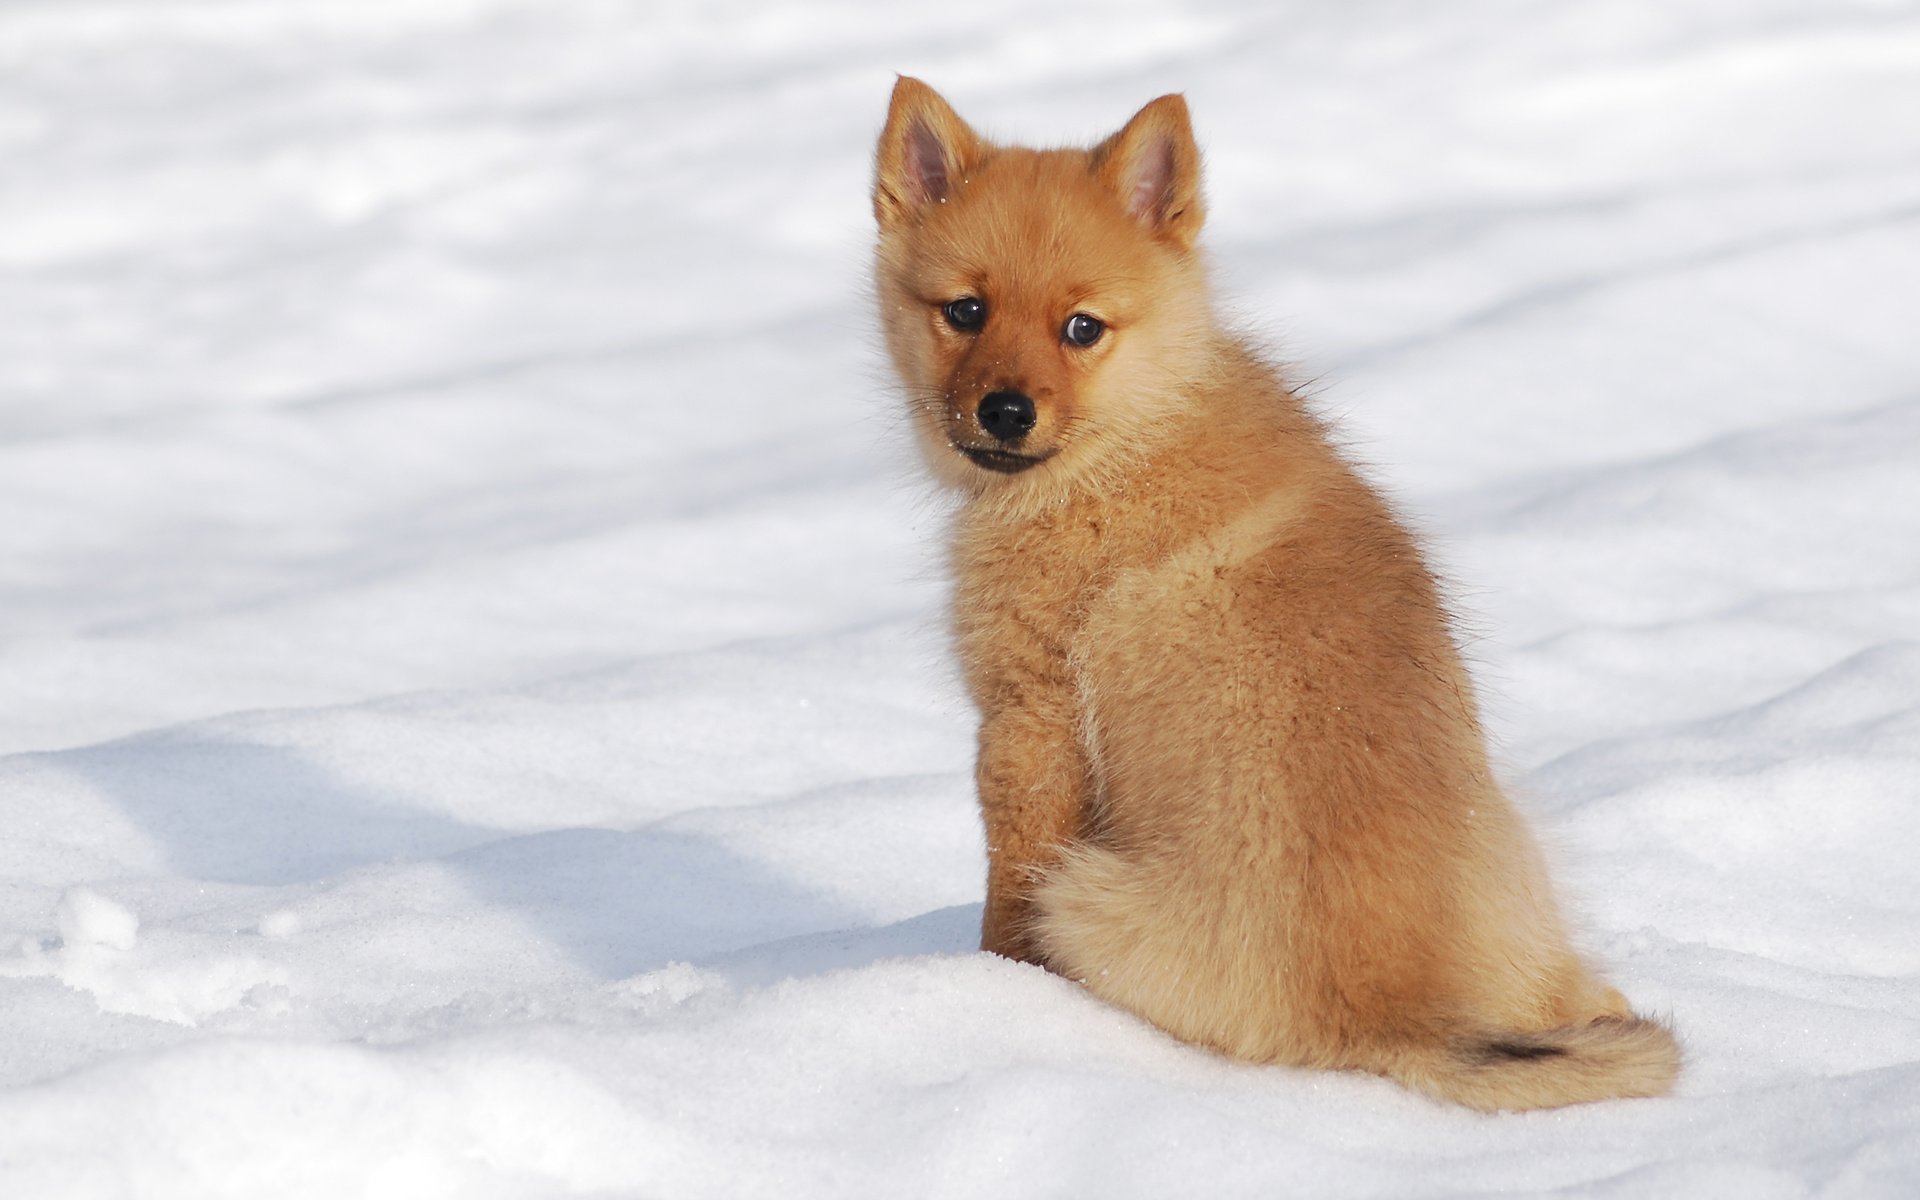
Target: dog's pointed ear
<point>925,151</point>
<point>1153,165</point>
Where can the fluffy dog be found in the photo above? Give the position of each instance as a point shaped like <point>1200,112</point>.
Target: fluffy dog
<point>1230,764</point>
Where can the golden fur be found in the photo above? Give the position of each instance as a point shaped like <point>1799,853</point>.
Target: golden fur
<point>1230,764</point>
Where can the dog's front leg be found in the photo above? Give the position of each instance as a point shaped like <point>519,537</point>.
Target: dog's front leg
<point>1034,790</point>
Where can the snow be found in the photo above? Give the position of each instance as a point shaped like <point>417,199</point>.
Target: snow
<point>476,717</point>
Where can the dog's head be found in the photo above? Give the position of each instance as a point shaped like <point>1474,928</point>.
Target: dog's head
<point>1043,307</point>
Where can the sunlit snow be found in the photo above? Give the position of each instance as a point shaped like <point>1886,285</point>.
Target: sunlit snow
<point>474,710</point>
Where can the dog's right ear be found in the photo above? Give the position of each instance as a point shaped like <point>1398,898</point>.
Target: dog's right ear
<point>925,151</point>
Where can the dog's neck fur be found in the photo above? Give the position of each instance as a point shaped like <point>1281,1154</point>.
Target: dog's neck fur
<point>1234,430</point>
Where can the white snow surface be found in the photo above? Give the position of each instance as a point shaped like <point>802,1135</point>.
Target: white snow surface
<point>474,709</point>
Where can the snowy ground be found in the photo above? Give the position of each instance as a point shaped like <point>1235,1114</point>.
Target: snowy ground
<point>473,711</point>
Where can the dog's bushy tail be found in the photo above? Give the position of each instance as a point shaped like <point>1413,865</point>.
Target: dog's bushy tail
<point>1611,1058</point>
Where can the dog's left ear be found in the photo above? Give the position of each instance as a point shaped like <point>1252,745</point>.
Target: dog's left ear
<point>1153,165</point>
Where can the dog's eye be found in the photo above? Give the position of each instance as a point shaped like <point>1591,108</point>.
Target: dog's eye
<point>965,314</point>
<point>1083,330</point>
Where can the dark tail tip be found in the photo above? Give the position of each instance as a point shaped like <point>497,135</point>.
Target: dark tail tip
<point>1512,1049</point>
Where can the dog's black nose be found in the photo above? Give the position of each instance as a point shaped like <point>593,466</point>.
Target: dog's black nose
<point>1006,415</point>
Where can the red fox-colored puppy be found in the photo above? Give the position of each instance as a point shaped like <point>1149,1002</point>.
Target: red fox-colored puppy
<point>1230,763</point>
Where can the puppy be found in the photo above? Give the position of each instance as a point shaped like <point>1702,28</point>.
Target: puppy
<point>1230,764</point>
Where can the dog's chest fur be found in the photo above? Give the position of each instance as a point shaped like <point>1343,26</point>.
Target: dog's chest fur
<point>1040,596</point>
